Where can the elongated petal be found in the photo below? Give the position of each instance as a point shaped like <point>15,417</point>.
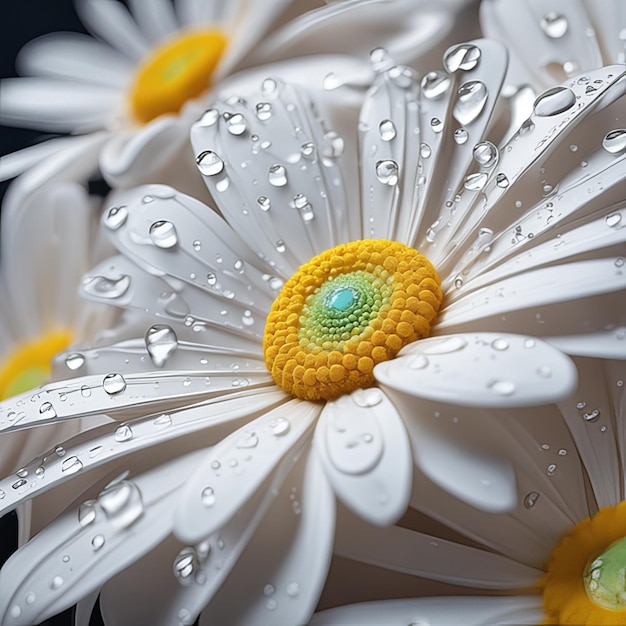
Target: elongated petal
<point>366,455</point>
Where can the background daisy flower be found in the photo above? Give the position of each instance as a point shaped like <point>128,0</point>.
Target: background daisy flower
<point>233,466</point>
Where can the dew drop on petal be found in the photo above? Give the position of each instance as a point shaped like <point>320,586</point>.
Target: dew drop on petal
<point>475,182</point>
<point>71,465</point>
<point>500,344</point>
<point>554,25</point>
<point>236,124</point>
<point>386,130</point>
<point>436,124</point>
<point>460,136</point>
<point>485,154</point>
<point>387,172</point>
<point>209,163</point>
<point>46,410</point>
<point>161,343</point>
<point>209,118</point>
<point>109,288</point>
<point>207,497</point>
<point>530,499</point>
<point>502,181</point>
<point>461,57</point>
<point>614,142</point>
<point>293,589</point>
<point>417,362</point>
<point>74,361</point>
<point>56,582</point>
<point>279,426</point>
<point>277,175</point>
<point>123,433</point>
<point>269,87</point>
<point>502,387</point>
<point>333,145</point>
<point>114,383</point>
<point>554,101</point>
<point>591,416</point>
<point>425,151</point>
<point>613,220</point>
<point>185,566</point>
<point>435,84</point>
<point>97,542</point>
<point>472,97</point>
<point>163,234</point>
<point>116,217</point>
<point>367,398</point>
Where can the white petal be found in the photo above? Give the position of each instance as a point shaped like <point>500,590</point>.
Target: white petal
<point>482,370</point>
<point>74,554</point>
<point>75,57</point>
<point>448,611</point>
<point>418,554</point>
<point>112,441</point>
<point>84,609</point>
<point>603,345</point>
<point>57,105</point>
<point>247,157</point>
<point>112,21</point>
<point>541,55</point>
<point>294,545</point>
<point>237,466</point>
<point>15,163</point>
<point>155,18</point>
<point>608,19</point>
<point>366,455</point>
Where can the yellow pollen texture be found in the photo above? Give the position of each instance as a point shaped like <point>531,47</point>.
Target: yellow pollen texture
<point>175,72</point>
<point>28,365</point>
<point>565,599</point>
<point>346,310</point>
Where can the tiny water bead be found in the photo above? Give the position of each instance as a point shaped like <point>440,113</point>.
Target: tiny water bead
<point>346,310</point>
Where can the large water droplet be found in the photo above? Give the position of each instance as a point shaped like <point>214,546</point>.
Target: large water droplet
<point>485,154</point>
<point>247,440</point>
<point>74,361</point>
<point>615,141</point>
<point>554,25</point>
<point>502,181</point>
<point>123,433</point>
<point>460,136</point>
<point>463,57</point>
<point>502,387</point>
<point>475,182</point>
<point>209,163</point>
<point>277,176</point>
<point>387,130</point>
<point>161,343</point>
<point>207,496</point>
<point>554,101</point>
<point>530,499</point>
<point>436,124</point>
<point>367,398</point>
<point>235,124</point>
<point>425,150</point>
<point>387,172</point>
<point>116,217</point>
<point>279,426</point>
<point>114,383</point>
<point>435,84</point>
<point>122,503</point>
<point>264,111</point>
<point>613,220</point>
<point>500,344</point>
<point>46,411</point>
<point>163,234</point>
<point>591,416</point>
<point>186,565</point>
<point>471,100</point>
<point>209,118</point>
<point>97,542</point>
<point>109,288</point>
<point>71,465</point>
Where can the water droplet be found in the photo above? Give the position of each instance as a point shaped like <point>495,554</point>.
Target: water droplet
<point>116,217</point>
<point>209,163</point>
<point>435,84</point>
<point>367,398</point>
<point>71,465</point>
<point>615,141</point>
<point>263,111</point>
<point>186,565</point>
<point>211,279</point>
<point>472,97</point>
<point>425,151</point>
<point>613,220</point>
<point>18,483</point>
<point>387,172</point>
<point>293,589</point>
<point>463,57</point>
<point>436,124</point>
<point>591,416</point>
<point>551,469</point>
<point>387,130</point>
<point>502,181</point>
<point>333,145</point>
<point>269,590</point>
<point>235,124</point>
<point>247,319</point>
<point>40,471</point>
<point>554,25</point>
<point>161,343</point>
<point>502,387</point>
<point>277,176</point>
<point>122,503</point>
<point>269,87</point>
<point>114,383</point>
<point>280,246</point>
<point>108,288</point>
<point>163,234</point>
<point>123,433</point>
<point>97,542</point>
<point>87,513</point>
<point>74,361</point>
<point>475,182</point>
<point>500,344</point>
<point>380,60</point>
<point>544,371</point>
<point>56,582</point>
<point>207,496</point>
<point>485,154</point>
<point>248,440</point>
<point>279,426</point>
<point>460,136</point>
<point>30,597</point>
<point>554,101</point>
<point>446,346</point>
<point>46,410</point>
<point>307,149</point>
<point>531,499</point>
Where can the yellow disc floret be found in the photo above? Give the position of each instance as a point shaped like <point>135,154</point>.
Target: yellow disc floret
<point>28,365</point>
<point>346,310</point>
<point>174,73</point>
<point>585,581</point>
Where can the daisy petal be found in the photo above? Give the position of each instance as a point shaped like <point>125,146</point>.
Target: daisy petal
<point>237,467</point>
<point>411,552</point>
<point>81,549</point>
<point>76,57</point>
<point>366,455</point>
<point>110,442</point>
<point>481,370</point>
<point>603,345</point>
<point>562,40</point>
<point>13,164</point>
<point>263,157</point>
<point>294,542</point>
<point>448,611</point>
<point>84,608</point>
<point>155,18</point>
<point>112,21</point>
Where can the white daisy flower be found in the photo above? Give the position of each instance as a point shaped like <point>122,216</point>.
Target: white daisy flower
<point>129,94</point>
<point>564,543</point>
<point>288,361</point>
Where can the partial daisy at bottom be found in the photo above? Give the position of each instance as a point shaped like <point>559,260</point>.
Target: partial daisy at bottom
<point>333,357</point>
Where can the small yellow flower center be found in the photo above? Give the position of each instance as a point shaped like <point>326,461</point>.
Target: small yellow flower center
<point>175,72</point>
<point>585,581</point>
<point>346,310</point>
<point>28,365</point>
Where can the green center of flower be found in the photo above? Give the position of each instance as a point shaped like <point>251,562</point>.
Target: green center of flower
<point>605,577</point>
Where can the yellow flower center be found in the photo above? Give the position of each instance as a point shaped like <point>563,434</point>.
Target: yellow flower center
<point>346,310</point>
<point>585,581</point>
<point>28,365</point>
<point>175,72</point>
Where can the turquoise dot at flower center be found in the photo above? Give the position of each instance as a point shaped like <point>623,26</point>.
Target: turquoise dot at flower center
<point>343,299</point>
